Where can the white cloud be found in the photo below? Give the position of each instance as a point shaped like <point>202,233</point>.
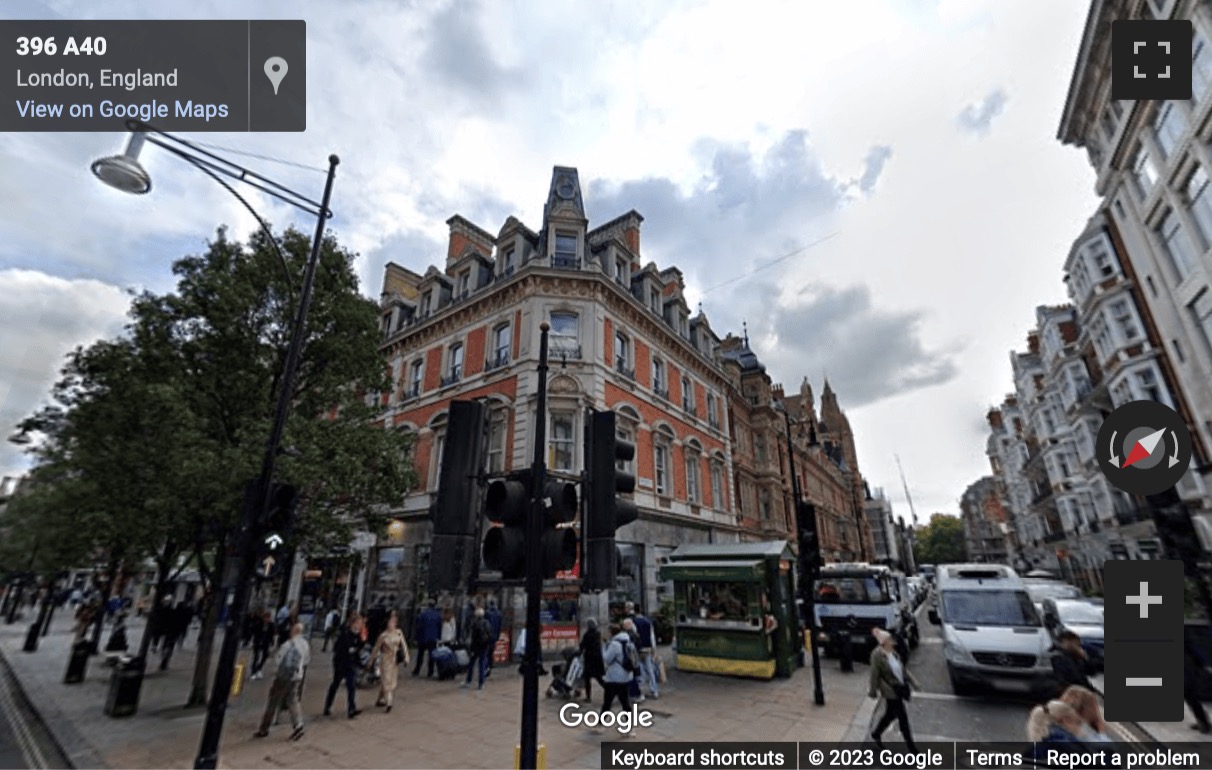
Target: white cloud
<point>45,318</point>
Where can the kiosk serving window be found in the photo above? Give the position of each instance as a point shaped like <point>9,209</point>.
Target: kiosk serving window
<point>719,600</point>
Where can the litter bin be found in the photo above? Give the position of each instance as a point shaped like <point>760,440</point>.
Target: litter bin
<point>124,685</point>
<point>77,665</point>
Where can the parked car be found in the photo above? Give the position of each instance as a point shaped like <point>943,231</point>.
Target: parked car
<point>1082,618</point>
<point>1049,588</point>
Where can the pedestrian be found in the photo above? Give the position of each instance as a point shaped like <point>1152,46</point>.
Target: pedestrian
<point>183,615</point>
<point>1069,664</point>
<point>493,615</point>
<point>392,652</point>
<point>263,639</point>
<point>332,621</point>
<point>1085,703</point>
<point>619,659</point>
<point>172,633</point>
<point>1193,673</point>
<point>479,641</point>
<point>84,620</point>
<point>891,680</point>
<point>292,659</point>
<point>593,667</point>
<point>633,688</point>
<point>646,645</point>
<point>450,630</point>
<point>1057,726</point>
<point>157,622</point>
<point>429,630</point>
<point>345,665</point>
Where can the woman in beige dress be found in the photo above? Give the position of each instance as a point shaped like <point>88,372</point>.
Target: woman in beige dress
<point>389,644</point>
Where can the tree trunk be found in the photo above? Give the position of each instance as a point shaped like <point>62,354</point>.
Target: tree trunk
<point>206,640</point>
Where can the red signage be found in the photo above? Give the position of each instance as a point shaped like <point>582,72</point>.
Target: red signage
<point>575,572</point>
<point>568,633</point>
<point>500,653</point>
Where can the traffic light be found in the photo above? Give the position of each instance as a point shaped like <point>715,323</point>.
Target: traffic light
<point>1175,528</point>
<point>453,558</point>
<point>508,503</point>
<point>605,511</point>
<point>280,516</point>
<point>809,541</point>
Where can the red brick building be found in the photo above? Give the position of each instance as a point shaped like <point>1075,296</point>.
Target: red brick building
<point>623,338</point>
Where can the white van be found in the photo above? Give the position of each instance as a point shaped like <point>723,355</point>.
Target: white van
<point>992,635</point>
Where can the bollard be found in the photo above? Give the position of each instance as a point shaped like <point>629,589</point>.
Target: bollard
<point>237,680</point>
<point>540,757</point>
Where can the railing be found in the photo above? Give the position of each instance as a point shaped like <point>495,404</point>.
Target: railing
<point>454,376</point>
<point>714,422</point>
<point>690,409</point>
<point>501,359</point>
<point>622,369</point>
<point>567,352</point>
<point>565,263</point>
<point>411,393</point>
<point>662,393</point>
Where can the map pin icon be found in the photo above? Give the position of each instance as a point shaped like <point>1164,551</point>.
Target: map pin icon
<point>275,70</point>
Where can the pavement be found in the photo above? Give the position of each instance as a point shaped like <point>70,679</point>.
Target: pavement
<point>433,724</point>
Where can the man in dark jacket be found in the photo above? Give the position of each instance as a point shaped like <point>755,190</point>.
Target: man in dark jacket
<point>495,621</point>
<point>646,646</point>
<point>429,630</point>
<point>479,640</point>
<point>346,659</point>
<point>1069,665</point>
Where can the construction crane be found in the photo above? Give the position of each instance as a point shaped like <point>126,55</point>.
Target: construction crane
<point>905,484</point>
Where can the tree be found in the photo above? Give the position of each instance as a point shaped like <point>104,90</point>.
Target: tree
<point>941,541</point>
<point>211,354</point>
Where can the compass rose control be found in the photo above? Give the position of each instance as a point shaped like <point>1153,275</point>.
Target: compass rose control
<point>1144,448</point>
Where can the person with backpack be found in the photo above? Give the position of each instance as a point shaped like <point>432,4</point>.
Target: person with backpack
<point>633,687</point>
<point>620,659</point>
<point>332,621</point>
<point>479,647</point>
<point>292,659</point>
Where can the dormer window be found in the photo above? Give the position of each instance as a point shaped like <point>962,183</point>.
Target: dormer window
<point>654,300</point>
<point>426,303</point>
<point>508,261</point>
<point>565,250</point>
<point>464,284</point>
<point>620,271</point>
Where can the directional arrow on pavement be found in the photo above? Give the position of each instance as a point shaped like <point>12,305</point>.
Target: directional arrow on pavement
<point>273,541</point>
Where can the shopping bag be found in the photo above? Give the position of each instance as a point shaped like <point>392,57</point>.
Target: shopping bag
<point>661,675</point>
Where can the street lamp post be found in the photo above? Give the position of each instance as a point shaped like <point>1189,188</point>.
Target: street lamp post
<point>808,578</point>
<point>125,173</point>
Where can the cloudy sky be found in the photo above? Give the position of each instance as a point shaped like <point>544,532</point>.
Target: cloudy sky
<point>874,187</point>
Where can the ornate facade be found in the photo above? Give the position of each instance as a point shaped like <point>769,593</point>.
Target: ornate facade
<point>622,337</point>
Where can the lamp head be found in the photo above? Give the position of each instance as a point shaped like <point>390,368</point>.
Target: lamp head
<point>124,172</point>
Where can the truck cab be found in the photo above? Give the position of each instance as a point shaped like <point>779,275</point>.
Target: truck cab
<point>853,599</point>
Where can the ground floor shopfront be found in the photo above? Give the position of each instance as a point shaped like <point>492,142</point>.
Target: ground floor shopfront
<point>397,570</point>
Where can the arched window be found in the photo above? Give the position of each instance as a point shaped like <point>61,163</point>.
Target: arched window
<point>718,498</point>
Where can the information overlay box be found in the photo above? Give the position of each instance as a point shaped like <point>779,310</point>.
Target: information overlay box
<point>176,75</point>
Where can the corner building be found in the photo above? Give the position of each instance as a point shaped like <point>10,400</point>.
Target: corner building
<point>622,338</point>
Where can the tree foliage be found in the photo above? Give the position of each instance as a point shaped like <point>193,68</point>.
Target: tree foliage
<point>941,541</point>
<point>151,438</point>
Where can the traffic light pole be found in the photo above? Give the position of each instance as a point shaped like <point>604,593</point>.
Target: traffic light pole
<point>534,572</point>
<point>807,579</point>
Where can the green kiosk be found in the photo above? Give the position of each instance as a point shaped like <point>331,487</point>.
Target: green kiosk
<point>735,608</point>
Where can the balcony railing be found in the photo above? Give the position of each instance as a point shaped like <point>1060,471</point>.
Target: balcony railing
<point>565,263</point>
<point>714,422</point>
<point>565,351</point>
<point>497,361</point>
<point>414,391</point>
<point>623,369</point>
<point>690,409</point>
<point>454,376</point>
<point>660,392</point>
